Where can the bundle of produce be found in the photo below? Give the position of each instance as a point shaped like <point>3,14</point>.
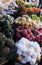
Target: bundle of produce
<point>24,20</point>
<point>6,48</point>
<point>29,11</point>
<point>32,10</point>
<point>28,27</point>
<point>11,8</point>
<point>21,21</point>
<point>24,31</point>
<point>21,2</point>
<point>26,4</point>
<point>12,5</point>
<point>8,7</point>
<point>29,5</point>
<point>36,9</point>
<point>6,22</point>
<point>35,17</point>
<point>28,51</point>
<point>28,21</point>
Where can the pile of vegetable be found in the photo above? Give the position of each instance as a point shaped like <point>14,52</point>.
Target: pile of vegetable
<point>28,51</point>
<point>29,27</point>
<point>21,38</point>
<point>32,9</point>
<point>30,5</point>
<point>5,25</point>
<point>12,5</point>
<point>27,7</point>
<point>35,17</point>
<point>7,48</point>
<point>21,2</point>
<point>28,21</point>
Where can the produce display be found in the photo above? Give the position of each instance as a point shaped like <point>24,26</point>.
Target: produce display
<point>27,7</point>
<point>5,25</point>
<point>26,4</point>
<point>30,5</point>
<point>29,33</point>
<point>9,8</point>
<point>6,46</point>
<point>33,21</point>
<point>20,33</point>
<point>29,27</point>
<point>35,17</point>
<point>24,31</point>
<point>12,6</point>
<point>21,21</point>
<point>21,2</point>
<point>28,51</point>
<point>32,9</point>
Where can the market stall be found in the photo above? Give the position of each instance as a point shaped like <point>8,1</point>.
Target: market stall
<point>20,33</point>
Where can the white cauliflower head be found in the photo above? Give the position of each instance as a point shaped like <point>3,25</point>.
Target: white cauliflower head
<point>28,50</point>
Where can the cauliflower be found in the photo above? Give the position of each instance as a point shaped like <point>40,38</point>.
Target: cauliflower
<point>29,51</point>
